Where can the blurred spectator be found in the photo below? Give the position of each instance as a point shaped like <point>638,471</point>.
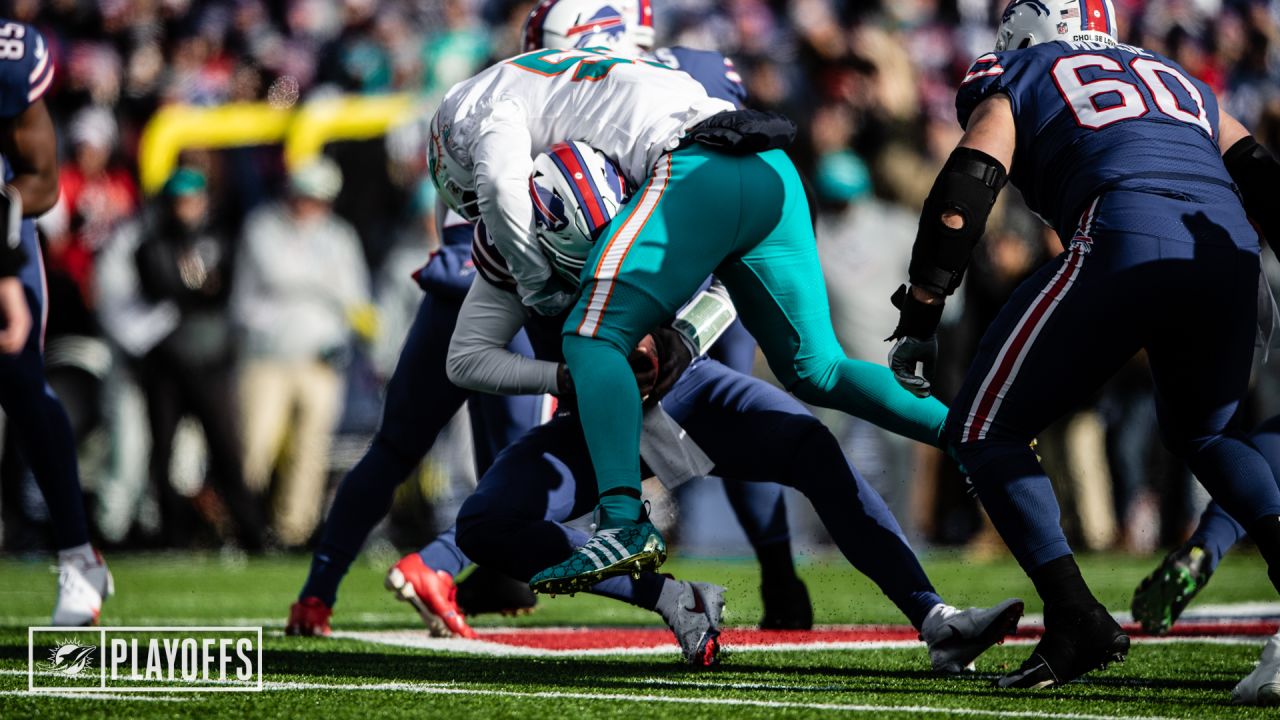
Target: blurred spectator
<point>872,85</point>
<point>301,287</point>
<point>183,267</point>
<point>96,195</point>
<point>865,247</point>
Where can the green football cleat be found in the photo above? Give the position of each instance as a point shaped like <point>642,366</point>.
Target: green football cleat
<point>1164,594</point>
<point>631,549</point>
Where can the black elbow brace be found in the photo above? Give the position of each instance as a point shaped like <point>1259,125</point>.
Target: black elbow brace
<point>968,185</point>
<point>1257,175</point>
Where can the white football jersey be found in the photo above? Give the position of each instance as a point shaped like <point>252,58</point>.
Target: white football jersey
<point>493,125</point>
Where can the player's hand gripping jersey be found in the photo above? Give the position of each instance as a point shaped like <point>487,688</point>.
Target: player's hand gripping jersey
<point>1092,118</point>
<point>492,126</point>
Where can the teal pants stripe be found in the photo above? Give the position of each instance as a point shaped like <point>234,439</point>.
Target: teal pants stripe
<point>747,220</point>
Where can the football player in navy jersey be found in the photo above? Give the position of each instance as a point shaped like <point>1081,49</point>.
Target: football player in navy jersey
<point>1133,163</point>
<point>38,422</point>
<point>420,401</point>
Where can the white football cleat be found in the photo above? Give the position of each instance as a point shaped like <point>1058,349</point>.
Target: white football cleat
<point>957,637</point>
<point>1262,686</point>
<point>83,583</point>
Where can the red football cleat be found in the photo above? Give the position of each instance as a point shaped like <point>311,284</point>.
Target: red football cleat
<point>430,592</point>
<point>309,617</point>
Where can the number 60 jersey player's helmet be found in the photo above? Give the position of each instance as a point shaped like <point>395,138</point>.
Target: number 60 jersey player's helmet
<point>1031,22</point>
<point>576,191</point>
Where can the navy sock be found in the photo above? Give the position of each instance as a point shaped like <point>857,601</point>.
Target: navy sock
<point>1019,498</point>
<point>642,592</point>
<point>443,553</point>
<point>1216,534</point>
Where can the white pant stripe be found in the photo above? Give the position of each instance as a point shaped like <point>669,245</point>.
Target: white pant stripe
<point>971,433</point>
<point>619,244</point>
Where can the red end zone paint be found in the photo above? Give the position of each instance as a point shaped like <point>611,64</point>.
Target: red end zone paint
<point>569,640</point>
<point>598,638</point>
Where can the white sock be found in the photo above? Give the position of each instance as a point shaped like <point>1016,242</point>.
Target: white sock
<point>80,552</point>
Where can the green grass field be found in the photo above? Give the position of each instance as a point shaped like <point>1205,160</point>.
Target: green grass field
<point>345,678</point>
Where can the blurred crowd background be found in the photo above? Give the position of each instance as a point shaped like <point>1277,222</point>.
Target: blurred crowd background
<point>221,339</point>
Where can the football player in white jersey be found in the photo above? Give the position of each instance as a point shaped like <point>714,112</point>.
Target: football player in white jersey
<point>715,194</point>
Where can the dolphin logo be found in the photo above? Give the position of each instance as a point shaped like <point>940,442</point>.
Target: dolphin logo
<point>70,658</point>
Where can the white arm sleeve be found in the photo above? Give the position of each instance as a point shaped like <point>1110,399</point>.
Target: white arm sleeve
<point>478,357</point>
<point>501,155</point>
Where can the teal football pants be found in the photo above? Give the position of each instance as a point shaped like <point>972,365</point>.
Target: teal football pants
<point>746,219</point>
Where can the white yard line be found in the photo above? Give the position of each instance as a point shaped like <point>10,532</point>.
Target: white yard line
<point>473,690</point>
<point>430,689</point>
<point>420,640</point>
<point>127,697</point>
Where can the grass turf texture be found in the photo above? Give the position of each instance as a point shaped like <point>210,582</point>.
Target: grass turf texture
<point>368,680</point>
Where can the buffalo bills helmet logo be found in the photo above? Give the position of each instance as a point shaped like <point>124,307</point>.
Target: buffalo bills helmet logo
<point>548,207</point>
<point>606,27</point>
<point>1036,5</point>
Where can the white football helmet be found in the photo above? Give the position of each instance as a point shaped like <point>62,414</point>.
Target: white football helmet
<point>625,26</point>
<point>576,191</point>
<point>457,187</point>
<point>1031,22</point>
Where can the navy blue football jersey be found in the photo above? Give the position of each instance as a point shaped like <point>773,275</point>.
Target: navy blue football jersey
<point>713,71</point>
<point>1092,118</point>
<point>26,70</point>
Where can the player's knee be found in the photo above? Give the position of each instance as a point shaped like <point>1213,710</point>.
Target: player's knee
<point>471,535</point>
<point>814,381</point>
<point>401,446</point>
<point>997,458</point>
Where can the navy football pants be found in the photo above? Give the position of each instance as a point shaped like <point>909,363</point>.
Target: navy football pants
<point>1217,530</point>
<point>35,416</point>
<point>1144,272</point>
<point>751,430</point>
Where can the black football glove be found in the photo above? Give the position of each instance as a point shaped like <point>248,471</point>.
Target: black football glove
<point>917,343</point>
<point>674,358</point>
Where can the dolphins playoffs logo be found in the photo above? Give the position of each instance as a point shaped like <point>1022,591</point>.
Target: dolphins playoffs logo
<point>70,658</point>
<point>1036,5</point>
